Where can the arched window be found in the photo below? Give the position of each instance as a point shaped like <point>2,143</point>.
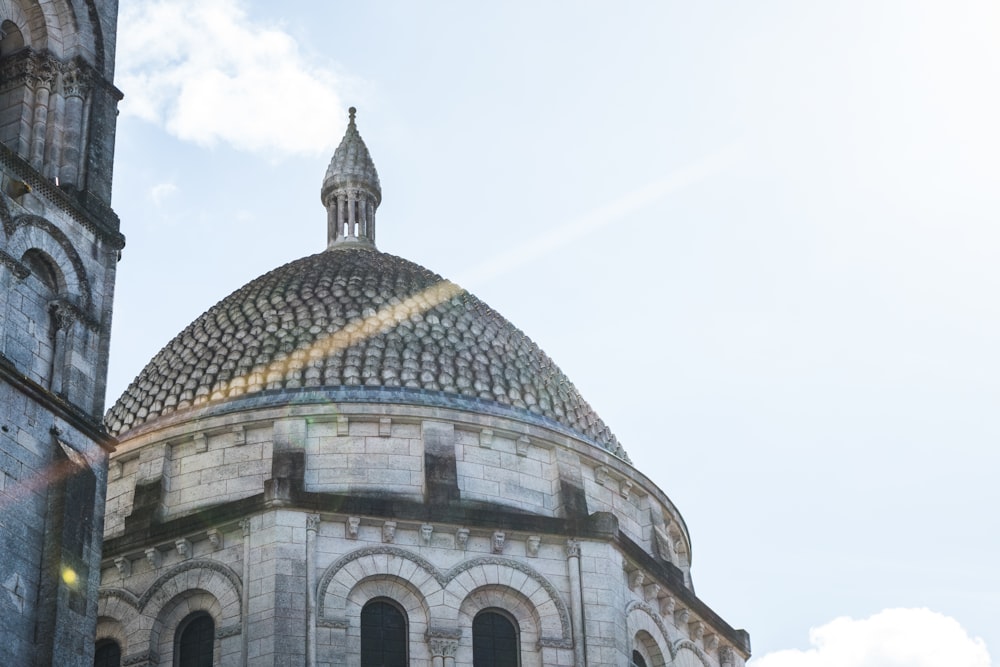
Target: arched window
<point>194,642</point>
<point>638,660</point>
<point>494,640</point>
<point>107,654</point>
<point>383,635</point>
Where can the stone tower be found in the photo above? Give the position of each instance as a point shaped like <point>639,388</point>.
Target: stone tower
<point>59,243</point>
<point>352,461</point>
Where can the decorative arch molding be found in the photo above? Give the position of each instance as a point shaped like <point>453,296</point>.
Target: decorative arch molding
<point>32,231</point>
<point>682,644</point>
<point>455,584</point>
<point>344,578</point>
<point>642,616</point>
<point>30,22</point>
<point>117,613</point>
<point>549,605</point>
<point>50,25</point>
<point>222,583</point>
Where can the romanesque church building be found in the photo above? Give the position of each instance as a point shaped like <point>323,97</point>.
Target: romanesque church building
<point>349,460</point>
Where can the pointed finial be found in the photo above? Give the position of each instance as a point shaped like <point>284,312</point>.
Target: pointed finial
<point>351,192</point>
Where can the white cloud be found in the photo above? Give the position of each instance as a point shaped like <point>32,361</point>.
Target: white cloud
<point>161,191</point>
<point>209,74</point>
<point>890,638</point>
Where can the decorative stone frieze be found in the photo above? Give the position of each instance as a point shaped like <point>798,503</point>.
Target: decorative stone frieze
<point>124,566</point>
<point>426,533</point>
<point>636,580</point>
<point>353,522</point>
<point>153,557</point>
<point>681,617</point>
<point>499,538</point>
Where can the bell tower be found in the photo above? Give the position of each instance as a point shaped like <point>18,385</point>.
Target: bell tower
<point>59,245</point>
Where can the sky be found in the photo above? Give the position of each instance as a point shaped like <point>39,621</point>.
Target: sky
<point>761,239</point>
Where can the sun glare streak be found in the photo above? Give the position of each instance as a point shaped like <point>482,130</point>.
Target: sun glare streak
<point>55,472</point>
<point>602,217</point>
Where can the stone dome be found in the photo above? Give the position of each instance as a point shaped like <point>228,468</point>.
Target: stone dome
<point>374,327</point>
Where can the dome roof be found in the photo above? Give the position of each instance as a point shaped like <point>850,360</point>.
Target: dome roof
<point>354,317</point>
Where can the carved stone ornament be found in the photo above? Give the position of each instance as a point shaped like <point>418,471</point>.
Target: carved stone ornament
<point>153,556</point>
<point>352,526</point>
<point>601,475</point>
<point>651,592</point>
<point>532,545</point>
<point>499,538</point>
<point>442,647</point>
<point>572,549</point>
<point>388,532</point>
<point>681,617</point>
<point>312,522</point>
<point>711,641</point>
<point>626,489</point>
<point>124,566</point>
<point>697,630</point>
<point>523,444</point>
<point>183,548</point>
<point>215,538</point>
<point>426,532</point>
<point>636,580</point>
<point>462,538</point>
<point>726,656</point>
<point>667,605</point>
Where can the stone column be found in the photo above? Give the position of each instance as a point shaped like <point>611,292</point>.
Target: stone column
<point>39,124</point>
<point>74,89</point>
<point>443,650</point>
<point>341,214</point>
<point>576,601</point>
<point>312,527</point>
<point>352,215</point>
<point>245,602</point>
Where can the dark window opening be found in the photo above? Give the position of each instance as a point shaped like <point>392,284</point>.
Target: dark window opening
<point>195,641</point>
<point>638,660</point>
<point>494,641</point>
<point>107,654</point>
<point>383,635</point>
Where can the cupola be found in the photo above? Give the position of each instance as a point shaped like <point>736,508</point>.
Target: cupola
<point>351,192</point>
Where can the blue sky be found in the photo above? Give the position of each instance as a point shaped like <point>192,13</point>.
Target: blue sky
<point>761,238</point>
